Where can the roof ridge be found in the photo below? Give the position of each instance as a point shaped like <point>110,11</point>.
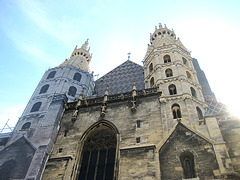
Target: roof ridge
<point>118,67</point>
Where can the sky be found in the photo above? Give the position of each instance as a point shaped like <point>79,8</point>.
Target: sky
<point>38,35</point>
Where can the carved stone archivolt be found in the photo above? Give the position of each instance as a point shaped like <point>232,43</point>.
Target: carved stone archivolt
<point>101,138</point>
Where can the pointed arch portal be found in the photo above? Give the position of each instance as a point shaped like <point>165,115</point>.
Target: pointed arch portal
<point>98,154</point>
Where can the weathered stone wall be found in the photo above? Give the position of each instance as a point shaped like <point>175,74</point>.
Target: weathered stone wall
<point>230,129</point>
<point>183,140</point>
<point>120,115</point>
<point>137,163</point>
<point>21,153</point>
<point>134,160</point>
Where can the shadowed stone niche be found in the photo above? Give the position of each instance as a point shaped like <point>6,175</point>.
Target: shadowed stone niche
<point>98,154</point>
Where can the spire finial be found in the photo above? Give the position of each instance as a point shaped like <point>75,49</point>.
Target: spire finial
<point>106,91</point>
<point>160,26</point>
<point>134,85</point>
<point>105,95</point>
<point>129,55</point>
<point>85,45</point>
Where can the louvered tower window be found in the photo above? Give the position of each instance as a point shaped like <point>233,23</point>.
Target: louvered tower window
<point>72,91</point>
<point>51,75</point>
<point>77,77</point>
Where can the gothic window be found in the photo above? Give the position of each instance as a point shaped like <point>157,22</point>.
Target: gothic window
<point>172,89</point>
<point>193,92</point>
<point>44,89</point>
<point>152,82</point>
<point>77,77</point>
<point>150,67</point>
<point>7,169</point>
<point>176,111</point>
<point>72,91</point>
<point>26,126</point>
<point>65,133</point>
<point>188,75</point>
<point>138,124</point>
<point>199,112</point>
<point>138,140</point>
<point>187,161</point>
<point>169,72</point>
<point>98,155</point>
<point>167,59</point>
<point>51,74</point>
<point>36,107</point>
<point>184,61</point>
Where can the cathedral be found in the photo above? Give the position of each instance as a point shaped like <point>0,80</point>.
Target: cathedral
<point>151,122</point>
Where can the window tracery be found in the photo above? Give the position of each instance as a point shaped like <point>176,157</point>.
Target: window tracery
<point>36,107</point>
<point>72,91</point>
<point>167,59</point>
<point>98,155</point>
<point>169,72</point>
<point>187,161</point>
<point>176,111</point>
<point>172,89</point>
<point>51,74</point>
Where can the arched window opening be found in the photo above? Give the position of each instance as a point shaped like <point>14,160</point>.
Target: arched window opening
<point>7,169</point>
<point>98,155</point>
<point>152,82</point>
<point>72,91</point>
<point>77,77</point>
<point>44,89</point>
<point>167,59</point>
<point>193,92</point>
<point>184,61</point>
<point>188,75</point>
<point>51,74</point>
<point>150,67</point>
<point>199,112</point>
<point>176,111</point>
<point>172,89</point>
<point>187,161</point>
<point>169,72</point>
<point>26,126</point>
<point>36,107</point>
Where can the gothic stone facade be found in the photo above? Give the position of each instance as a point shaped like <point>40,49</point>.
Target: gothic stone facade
<point>143,148</point>
<point>168,129</point>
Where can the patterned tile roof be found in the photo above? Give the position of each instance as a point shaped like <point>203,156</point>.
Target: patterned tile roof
<point>121,79</point>
<point>215,108</point>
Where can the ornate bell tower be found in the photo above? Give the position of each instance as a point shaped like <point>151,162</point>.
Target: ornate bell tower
<point>36,130</point>
<point>168,65</point>
<point>80,57</point>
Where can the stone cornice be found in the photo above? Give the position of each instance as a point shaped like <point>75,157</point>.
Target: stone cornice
<point>98,101</point>
<point>173,79</point>
<point>138,147</point>
<point>185,96</point>
<point>164,49</point>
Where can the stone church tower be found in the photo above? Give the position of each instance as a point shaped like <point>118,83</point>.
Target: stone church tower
<point>168,65</point>
<point>159,121</point>
<point>35,133</point>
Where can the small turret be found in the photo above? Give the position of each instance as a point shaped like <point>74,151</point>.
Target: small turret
<point>162,31</point>
<point>80,57</point>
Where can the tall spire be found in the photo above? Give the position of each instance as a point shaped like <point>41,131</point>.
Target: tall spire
<point>80,57</point>
<point>85,45</point>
